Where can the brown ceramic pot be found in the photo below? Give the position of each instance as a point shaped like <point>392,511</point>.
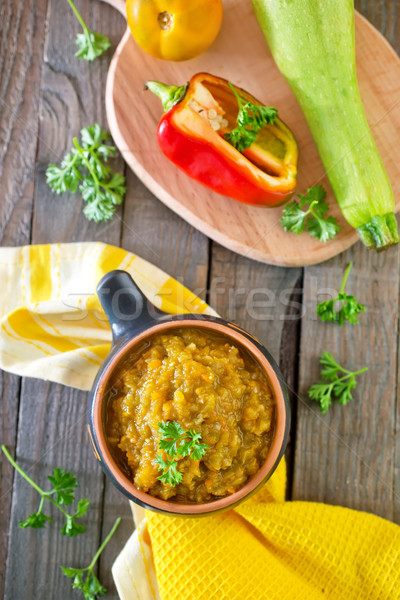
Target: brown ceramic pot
<point>133,319</point>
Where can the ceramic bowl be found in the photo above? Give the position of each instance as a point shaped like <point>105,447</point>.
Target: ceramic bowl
<point>133,319</point>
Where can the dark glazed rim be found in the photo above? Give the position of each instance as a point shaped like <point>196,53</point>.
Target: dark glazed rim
<point>277,446</point>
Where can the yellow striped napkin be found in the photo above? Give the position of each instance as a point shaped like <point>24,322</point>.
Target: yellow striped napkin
<point>52,324</point>
<point>51,319</point>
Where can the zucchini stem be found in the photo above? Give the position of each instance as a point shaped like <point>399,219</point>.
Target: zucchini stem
<point>380,233</point>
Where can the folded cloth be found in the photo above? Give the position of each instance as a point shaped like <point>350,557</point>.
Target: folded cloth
<point>52,324</point>
<point>265,548</point>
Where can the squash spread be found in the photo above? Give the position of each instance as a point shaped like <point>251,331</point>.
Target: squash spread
<point>207,383</point>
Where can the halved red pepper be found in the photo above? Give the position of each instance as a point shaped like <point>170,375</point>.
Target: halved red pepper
<point>191,134</point>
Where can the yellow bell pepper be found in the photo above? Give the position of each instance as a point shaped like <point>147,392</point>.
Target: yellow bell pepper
<point>174,29</point>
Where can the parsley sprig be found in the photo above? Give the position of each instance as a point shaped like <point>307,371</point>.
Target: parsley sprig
<point>251,118</point>
<point>169,468</point>
<point>85,579</point>
<point>84,168</point>
<point>339,383</point>
<point>296,217</point>
<point>175,441</point>
<point>62,492</point>
<point>349,306</point>
<point>90,44</point>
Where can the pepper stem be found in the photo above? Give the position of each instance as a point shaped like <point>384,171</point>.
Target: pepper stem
<point>168,94</point>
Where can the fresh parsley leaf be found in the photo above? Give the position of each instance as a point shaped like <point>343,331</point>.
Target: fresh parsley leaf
<point>94,135</point>
<point>65,178</point>
<point>184,448</point>
<point>69,571</point>
<point>170,429</point>
<point>315,195</point>
<point>342,390</point>
<point>64,484</point>
<point>241,138</point>
<point>322,393</point>
<point>170,446</point>
<point>170,474</point>
<point>100,209</point>
<point>171,433</point>
<point>329,366</point>
<point>257,116</point>
<point>192,447</point>
<point>71,528</point>
<point>313,219</point>
<point>251,119</point>
<point>294,218</point>
<point>83,505</point>
<point>322,228</point>
<point>90,44</point>
<point>36,521</point>
<point>115,188</point>
<point>339,383</point>
<point>94,587</point>
<point>84,169</point>
<point>176,442</point>
<point>199,451</point>
<point>349,309</point>
<point>85,579</point>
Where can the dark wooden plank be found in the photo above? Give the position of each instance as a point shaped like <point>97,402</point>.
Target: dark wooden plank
<point>72,97</point>
<point>349,456</point>
<point>289,365</point>
<point>21,42</point>
<point>252,294</point>
<point>51,433</point>
<point>384,15</point>
<point>115,505</point>
<point>158,235</point>
<point>9,390</point>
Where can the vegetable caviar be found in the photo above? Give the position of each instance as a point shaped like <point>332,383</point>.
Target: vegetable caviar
<point>222,404</point>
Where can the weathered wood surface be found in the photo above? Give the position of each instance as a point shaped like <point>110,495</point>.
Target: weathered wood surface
<point>350,457</point>
<point>20,72</point>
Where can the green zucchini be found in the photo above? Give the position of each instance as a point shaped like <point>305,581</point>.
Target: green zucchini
<point>312,42</point>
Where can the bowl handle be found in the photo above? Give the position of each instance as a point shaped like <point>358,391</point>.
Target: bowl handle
<point>126,307</point>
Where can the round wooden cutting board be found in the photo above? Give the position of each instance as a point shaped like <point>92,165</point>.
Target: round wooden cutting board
<point>241,55</point>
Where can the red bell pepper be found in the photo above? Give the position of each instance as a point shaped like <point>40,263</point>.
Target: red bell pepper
<point>191,134</point>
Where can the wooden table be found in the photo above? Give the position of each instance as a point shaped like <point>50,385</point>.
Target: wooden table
<point>349,457</point>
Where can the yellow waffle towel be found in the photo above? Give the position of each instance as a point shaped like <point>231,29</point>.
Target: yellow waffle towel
<point>265,549</point>
<point>52,324</point>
